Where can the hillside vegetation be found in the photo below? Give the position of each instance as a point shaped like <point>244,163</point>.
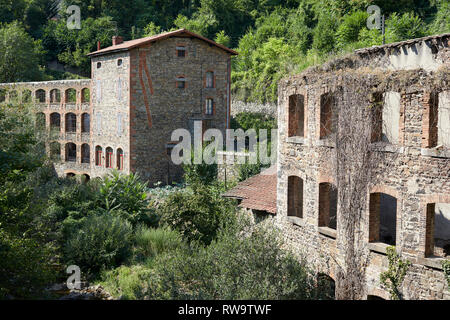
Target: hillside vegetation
<point>274,37</point>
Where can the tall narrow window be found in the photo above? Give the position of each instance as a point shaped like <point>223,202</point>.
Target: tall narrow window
<point>71,96</point>
<point>119,159</point>
<point>98,118</point>
<point>40,121</point>
<point>119,124</point>
<point>328,116</point>
<point>209,107</point>
<point>98,91</point>
<point>295,196</point>
<point>85,95</point>
<point>55,151</point>
<point>209,79</point>
<point>181,82</point>
<point>391,118</point>
<point>71,122</point>
<point>437,241</point>
<point>55,122</point>
<point>443,120</point>
<point>327,206</point>
<point>296,115</point>
<point>382,218</point>
<point>26,96</point>
<point>55,96</point>
<point>109,157</point>
<point>85,153</point>
<point>98,156</point>
<point>85,123</point>
<point>71,152</point>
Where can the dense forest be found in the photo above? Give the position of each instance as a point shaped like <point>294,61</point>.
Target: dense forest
<point>273,37</point>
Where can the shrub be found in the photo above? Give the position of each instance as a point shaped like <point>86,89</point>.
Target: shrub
<point>197,213</point>
<point>126,195</point>
<point>101,242</point>
<point>394,276</point>
<point>152,242</point>
<point>241,264</point>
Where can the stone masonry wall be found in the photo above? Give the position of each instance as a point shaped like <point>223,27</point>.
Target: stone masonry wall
<point>416,176</point>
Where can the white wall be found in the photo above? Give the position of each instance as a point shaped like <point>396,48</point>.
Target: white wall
<point>415,57</point>
<point>391,117</point>
<point>444,119</point>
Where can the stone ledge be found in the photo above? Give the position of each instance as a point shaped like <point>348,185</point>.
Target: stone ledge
<point>437,153</point>
<point>328,232</point>
<point>386,147</point>
<point>296,220</point>
<point>298,140</point>
<point>325,143</point>
<point>432,262</point>
<point>378,247</point>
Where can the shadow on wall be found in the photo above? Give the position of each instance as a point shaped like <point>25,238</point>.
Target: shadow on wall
<point>442,228</point>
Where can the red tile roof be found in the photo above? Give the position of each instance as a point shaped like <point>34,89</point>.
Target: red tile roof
<point>127,45</point>
<point>258,192</point>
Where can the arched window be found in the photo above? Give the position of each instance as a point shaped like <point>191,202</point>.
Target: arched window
<point>85,95</point>
<point>119,159</point>
<point>71,96</point>
<point>85,153</point>
<point>71,152</point>
<point>296,116</point>
<point>71,122</point>
<point>99,65</point>
<point>13,96</point>
<point>98,155</point>
<point>55,151</point>
<point>86,178</point>
<point>327,286</point>
<point>40,96</point>
<point>55,122</point>
<point>109,157</point>
<point>40,120</point>
<point>55,96</point>
<point>70,175</point>
<point>85,123</point>
<point>210,79</point>
<point>26,96</point>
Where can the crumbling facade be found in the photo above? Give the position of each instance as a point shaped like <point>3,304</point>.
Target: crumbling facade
<point>140,91</point>
<point>405,88</point>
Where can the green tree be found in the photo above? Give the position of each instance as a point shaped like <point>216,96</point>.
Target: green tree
<point>20,55</point>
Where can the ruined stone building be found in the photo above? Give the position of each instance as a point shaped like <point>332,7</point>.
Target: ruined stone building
<point>403,190</point>
<point>140,91</point>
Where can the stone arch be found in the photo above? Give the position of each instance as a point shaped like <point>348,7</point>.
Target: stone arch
<point>70,96</point>
<point>98,155</point>
<point>109,157</point>
<point>71,122</point>
<point>40,96</point>
<point>71,152</point>
<point>328,285</point>
<point>85,153</point>
<point>85,95</point>
<point>85,123</point>
<point>55,96</point>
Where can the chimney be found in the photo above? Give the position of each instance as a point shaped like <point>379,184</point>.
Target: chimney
<point>116,40</point>
<point>98,45</point>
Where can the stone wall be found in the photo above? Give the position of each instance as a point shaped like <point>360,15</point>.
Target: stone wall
<point>415,175</point>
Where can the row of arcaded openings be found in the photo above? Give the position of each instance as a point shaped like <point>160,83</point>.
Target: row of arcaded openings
<point>41,96</point>
<point>70,122</point>
<point>70,150</point>
<point>385,118</point>
<point>383,211</point>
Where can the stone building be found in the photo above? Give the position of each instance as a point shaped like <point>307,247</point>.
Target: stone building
<point>140,91</point>
<point>404,89</point>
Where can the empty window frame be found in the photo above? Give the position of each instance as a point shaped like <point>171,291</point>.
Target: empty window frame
<point>109,158</point>
<point>209,106</point>
<point>296,116</point>
<point>383,218</point>
<point>85,123</point>
<point>26,96</point>
<point>40,121</point>
<point>328,197</point>
<point>328,115</point>
<point>391,117</point>
<point>71,96</point>
<point>210,81</point>
<point>85,95</point>
<point>71,152</point>
<point>437,239</point>
<point>71,123</point>
<point>85,153</point>
<point>55,96</point>
<point>55,151</point>
<point>55,122</point>
<point>40,96</point>
<point>295,197</point>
